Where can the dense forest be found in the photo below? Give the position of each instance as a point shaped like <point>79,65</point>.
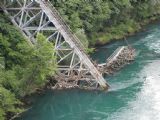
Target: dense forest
<point>106,20</point>
<point>24,67</point>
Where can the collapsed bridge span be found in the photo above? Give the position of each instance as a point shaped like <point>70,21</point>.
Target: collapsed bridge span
<point>121,56</point>
<point>75,69</point>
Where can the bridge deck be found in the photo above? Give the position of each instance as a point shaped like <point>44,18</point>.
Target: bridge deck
<point>114,55</point>
<point>121,56</point>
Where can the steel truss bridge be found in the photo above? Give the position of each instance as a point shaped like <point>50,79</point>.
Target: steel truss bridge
<point>75,67</point>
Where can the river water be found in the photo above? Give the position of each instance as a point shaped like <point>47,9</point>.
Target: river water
<point>134,92</point>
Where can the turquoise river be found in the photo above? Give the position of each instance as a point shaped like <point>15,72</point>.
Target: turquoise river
<point>134,92</point>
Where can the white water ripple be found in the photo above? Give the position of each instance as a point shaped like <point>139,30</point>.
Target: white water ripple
<point>155,46</point>
<point>147,104</point>
<point>153,42</point>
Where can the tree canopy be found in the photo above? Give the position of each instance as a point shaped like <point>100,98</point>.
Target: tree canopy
<point>105,20</point>
<point>23,67</point>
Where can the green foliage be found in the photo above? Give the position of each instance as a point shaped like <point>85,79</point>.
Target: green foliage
<point>82,37</point>
<point>90,50</point>
<point>41,63</point>
<point>24,67</point>
<point>8,103</point>
<point>2,65</point>
<point>105,20</point>
<point>119,31</point>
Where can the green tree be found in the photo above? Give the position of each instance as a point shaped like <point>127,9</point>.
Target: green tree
<point>8,103</point>
<point>24,68</point>
<point>40,64</point>
<point>99,18</point>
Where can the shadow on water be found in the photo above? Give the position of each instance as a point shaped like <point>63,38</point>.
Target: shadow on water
<point>134,92</point>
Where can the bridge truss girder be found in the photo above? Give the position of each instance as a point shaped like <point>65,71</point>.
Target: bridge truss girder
<point>28,16</point>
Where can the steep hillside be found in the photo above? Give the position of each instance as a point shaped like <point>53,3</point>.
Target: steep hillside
<point>105,20</point>
<point>23,67</point>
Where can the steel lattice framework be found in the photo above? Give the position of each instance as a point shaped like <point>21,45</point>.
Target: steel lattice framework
<point>33,16</point>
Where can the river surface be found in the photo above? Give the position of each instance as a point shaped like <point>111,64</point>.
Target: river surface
<point>134,92</point>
